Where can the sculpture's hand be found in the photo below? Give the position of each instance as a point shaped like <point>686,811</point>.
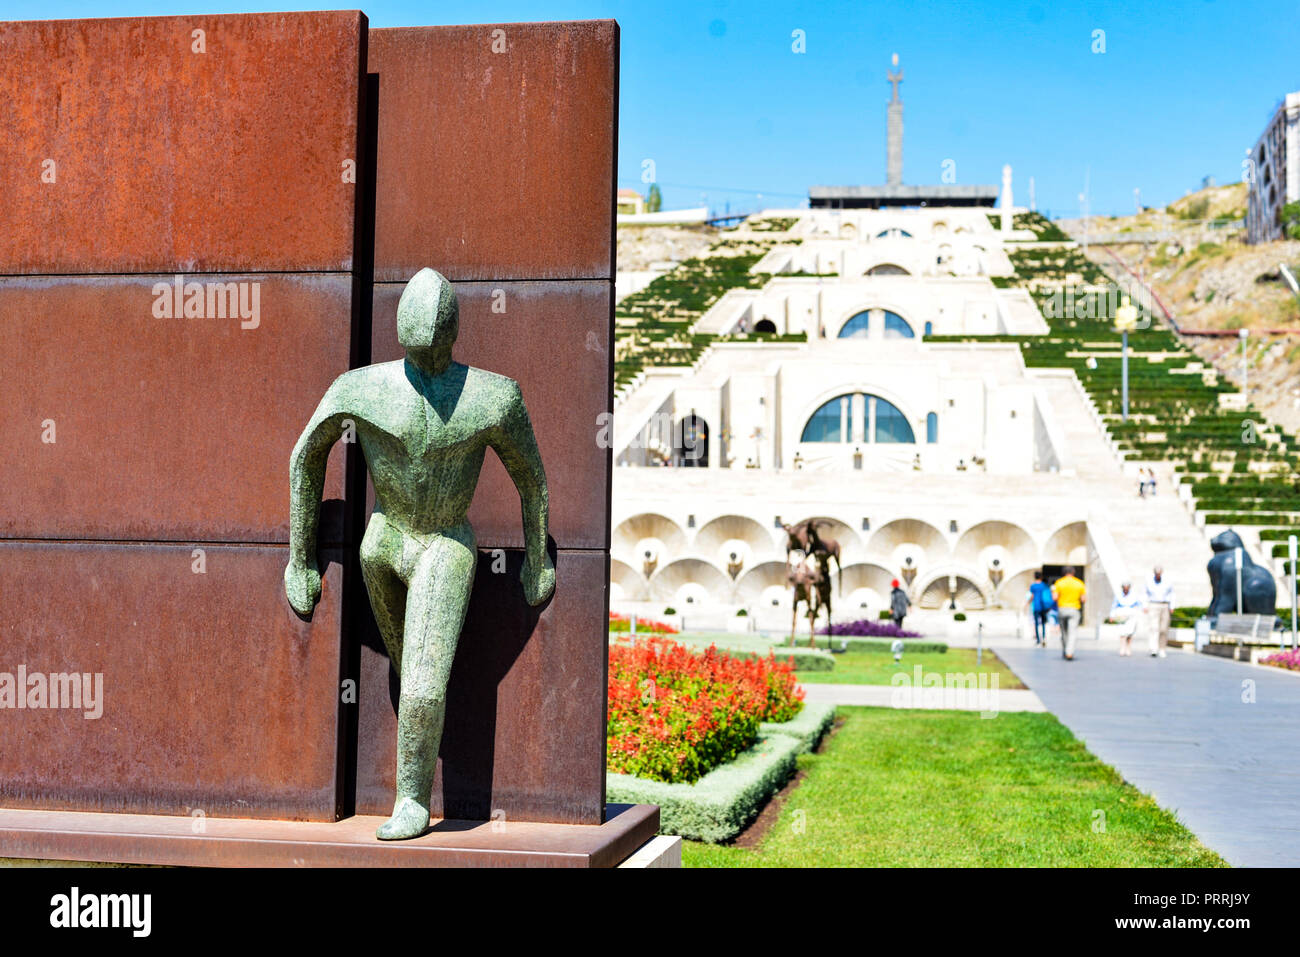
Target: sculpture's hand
<point>302,586</point>
<point>538,582</point>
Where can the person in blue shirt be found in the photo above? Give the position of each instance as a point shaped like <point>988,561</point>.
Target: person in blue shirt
<point>1040,603</point>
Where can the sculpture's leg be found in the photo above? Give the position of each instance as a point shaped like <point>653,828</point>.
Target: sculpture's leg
<point>435,610</point>
<point>794,617</point>
<point>381,551</point>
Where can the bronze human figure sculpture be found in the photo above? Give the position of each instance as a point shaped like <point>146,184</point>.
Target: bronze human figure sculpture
<point>805,576</point>
<point>804,537</point>
<point>423,424</point>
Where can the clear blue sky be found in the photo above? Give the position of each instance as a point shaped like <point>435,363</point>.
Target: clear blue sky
<point>712,92</point>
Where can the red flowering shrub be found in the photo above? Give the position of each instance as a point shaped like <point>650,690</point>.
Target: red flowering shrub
<point>675,715</point>
<point>621,623</point>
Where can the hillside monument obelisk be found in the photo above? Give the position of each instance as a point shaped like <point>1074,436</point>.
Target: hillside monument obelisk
<point>894,156</point>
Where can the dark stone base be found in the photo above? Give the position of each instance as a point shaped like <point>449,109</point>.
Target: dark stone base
<point>242,842</point>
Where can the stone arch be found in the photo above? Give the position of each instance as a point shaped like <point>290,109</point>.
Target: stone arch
<point>895,542</point>
<point>1004,542</point>
<point>748,539</point>
<point>1068,545</point>
<point>866,589</point>
<point>648,531</point>
<point>1016,587</point>
<point>630,582</point>
<point>690,581</point>
<point>937,590</point>
<point>763,580</point>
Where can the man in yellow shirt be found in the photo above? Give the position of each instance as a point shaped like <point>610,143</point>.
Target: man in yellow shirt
<point>1069,593</point>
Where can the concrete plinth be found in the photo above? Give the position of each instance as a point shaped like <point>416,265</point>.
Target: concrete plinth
<point>241,842</point>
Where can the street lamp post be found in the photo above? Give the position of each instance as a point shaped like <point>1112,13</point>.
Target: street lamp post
<point>1125,319</point>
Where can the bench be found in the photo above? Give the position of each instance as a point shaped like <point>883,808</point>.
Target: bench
<point>1234,629</point>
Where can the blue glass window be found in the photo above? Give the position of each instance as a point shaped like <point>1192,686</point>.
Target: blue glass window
<point>891,424</point>
<point>824,424</point>
<point>896,327</point>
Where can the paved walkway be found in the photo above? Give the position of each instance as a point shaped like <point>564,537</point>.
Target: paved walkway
<point>1178,729</point>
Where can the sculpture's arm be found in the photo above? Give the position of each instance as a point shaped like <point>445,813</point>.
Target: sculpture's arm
<point>516,445</point>
<point>306,484</point>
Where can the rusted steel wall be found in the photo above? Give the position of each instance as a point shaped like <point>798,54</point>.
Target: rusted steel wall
<point>136,151</point>
<point>496,152</point>
<point>239,150</point>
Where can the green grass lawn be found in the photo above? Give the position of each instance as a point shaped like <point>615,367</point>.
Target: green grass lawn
<point>949,789</point>
<point>877,668</point>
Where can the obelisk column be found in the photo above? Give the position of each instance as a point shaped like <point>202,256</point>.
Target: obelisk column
<point>894,129</point>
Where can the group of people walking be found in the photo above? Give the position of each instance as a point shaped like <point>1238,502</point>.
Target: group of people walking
<point>1060,606</point>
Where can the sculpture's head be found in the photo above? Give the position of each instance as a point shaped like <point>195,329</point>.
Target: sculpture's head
<point>428,319</point>
<point>1226,541</point>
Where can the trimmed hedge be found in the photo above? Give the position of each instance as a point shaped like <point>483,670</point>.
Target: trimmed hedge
<point>885,645</point>
<point>721,804</point>
<point>809,725</point>
<point>804,659</point>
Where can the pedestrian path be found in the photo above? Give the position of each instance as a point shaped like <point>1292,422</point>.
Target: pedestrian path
<point>1214,741</point>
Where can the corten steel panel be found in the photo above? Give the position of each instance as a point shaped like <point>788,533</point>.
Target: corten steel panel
<point>216,696</point>
<point>164,429</point>
<point>170,160</point>
<point>496,165</point>
<point>525,731</point>
<point>136,839</point>
<point>553,338</point>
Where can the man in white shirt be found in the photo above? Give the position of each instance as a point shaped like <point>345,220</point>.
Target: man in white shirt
<point>1159,602</point>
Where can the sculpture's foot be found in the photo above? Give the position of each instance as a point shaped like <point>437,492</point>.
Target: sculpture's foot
<point>409,820</point>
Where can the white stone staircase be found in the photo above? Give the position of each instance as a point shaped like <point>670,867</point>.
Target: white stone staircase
<point>1147,531</point>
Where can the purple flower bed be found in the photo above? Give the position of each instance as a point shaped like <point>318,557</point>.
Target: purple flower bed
<point>1290,660</point>
<point>865,628</point>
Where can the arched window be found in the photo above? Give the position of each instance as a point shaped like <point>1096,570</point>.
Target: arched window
<point>893,233</point>
<point>859,326</point>
<point>891,424</point>
<point>932,428</point>
<point>830,423</point>
<point>765,325</point>
<point>896,327</point>
<point>929,328</point>
<point>841,418</point>
<point>856,327</point>
<point>887,269</point>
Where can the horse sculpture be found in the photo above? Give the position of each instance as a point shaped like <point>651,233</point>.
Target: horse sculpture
<point>805,538</point>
